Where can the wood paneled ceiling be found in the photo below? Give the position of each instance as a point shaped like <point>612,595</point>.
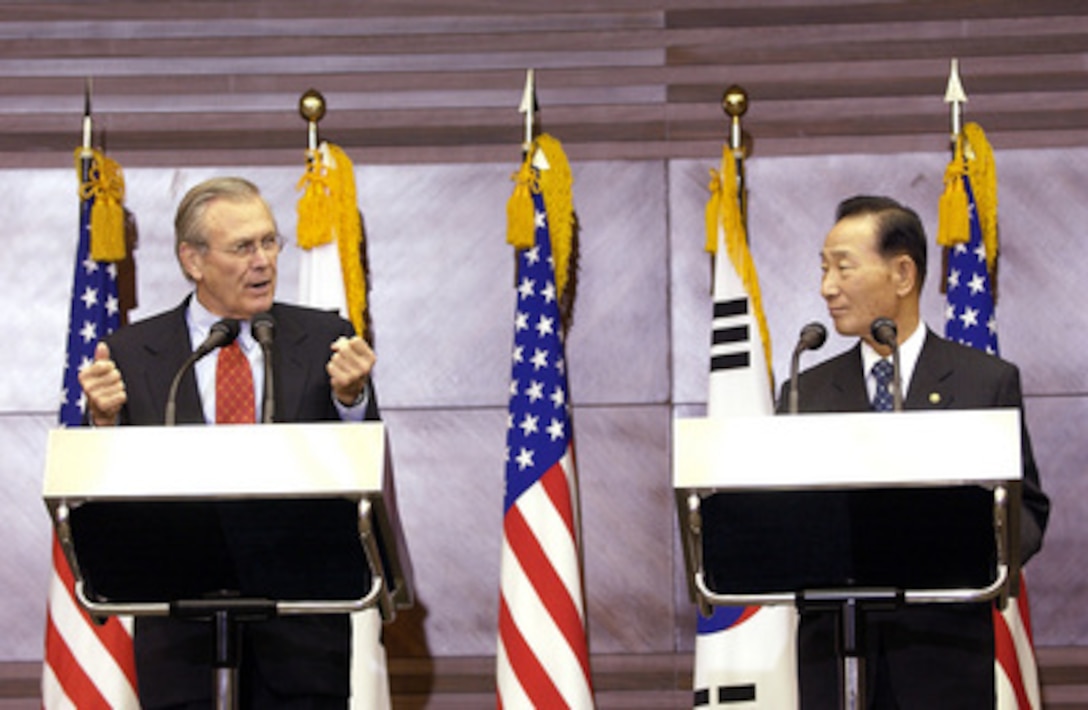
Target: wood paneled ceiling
<point>216,82</point>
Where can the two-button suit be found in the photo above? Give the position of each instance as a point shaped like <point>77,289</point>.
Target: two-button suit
<point>295,655</point>
<point>912,650</point>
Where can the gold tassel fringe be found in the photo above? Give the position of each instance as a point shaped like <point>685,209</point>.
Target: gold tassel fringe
<point>555,184</point>
<point>328,210</point>
<point>106,184</point>
<point>973,157</point>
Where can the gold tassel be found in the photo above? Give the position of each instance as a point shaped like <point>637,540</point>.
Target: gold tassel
<point>106,184</point>
<point>953,226</point>
<point>983,173</point>
<point>519,208</point>
<point>315,207</point>
<point>723,212</point>
<point>328,210</point>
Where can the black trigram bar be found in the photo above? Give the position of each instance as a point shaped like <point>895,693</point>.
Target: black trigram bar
<point>732,361</point>
<point>726,694</point>
<point>731,308</point>
<point>736,693</point>
<point>729,333</point>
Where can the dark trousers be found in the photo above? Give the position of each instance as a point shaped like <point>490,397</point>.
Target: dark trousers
<point>924,656</point>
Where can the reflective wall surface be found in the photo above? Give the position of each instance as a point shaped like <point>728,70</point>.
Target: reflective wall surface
<point>442,296</point>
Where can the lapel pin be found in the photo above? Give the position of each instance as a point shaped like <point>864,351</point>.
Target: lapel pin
<point>934,397</point>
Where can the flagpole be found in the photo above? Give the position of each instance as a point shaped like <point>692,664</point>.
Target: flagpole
<point>735,105</point>
<point>955,97</point>
<point>311,106</point>
<point>529,107</point>
<point>86,152</point>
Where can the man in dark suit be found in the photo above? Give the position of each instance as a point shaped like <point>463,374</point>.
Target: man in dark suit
<point>227,245</point>
<point>942,655</point>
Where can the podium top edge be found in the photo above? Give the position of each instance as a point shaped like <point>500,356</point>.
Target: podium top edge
<point>215,462</point>
<point>842,450</point>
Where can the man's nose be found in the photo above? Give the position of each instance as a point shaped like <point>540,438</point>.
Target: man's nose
<point>829,286</point>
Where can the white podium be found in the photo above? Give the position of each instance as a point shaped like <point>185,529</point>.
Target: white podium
<point>229,523</point>
<point>849,511</point>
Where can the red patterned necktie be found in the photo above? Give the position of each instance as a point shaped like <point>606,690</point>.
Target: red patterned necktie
<point>233,387</point>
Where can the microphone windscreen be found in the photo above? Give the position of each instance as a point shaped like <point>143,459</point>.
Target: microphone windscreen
<point>227,330</point>
<point>884,332</point>
<point>813,336</point>
<point>263,326</point>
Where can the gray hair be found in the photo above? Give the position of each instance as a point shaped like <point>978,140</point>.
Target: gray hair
<point>189,223</point>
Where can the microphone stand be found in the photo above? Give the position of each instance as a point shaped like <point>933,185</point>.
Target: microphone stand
<point>812,337</point>
<point>263,327</point>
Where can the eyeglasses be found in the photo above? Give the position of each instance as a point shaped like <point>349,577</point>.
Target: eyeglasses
<point>271,244</point>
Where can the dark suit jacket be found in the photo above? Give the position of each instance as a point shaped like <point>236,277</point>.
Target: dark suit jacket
<point>293,655</point>
<point>910,648</point>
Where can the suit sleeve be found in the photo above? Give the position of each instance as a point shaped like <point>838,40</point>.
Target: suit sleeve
<point>1035,505</point>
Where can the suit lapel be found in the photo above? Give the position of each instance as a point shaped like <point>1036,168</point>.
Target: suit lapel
<point>166,348</point>
<point>848,383</point>
<point>289,366</point>
<point>930,385</point>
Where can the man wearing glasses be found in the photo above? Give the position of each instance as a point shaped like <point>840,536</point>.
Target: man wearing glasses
<point>227,245</point>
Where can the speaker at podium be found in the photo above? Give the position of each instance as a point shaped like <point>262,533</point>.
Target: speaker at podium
<point>229,524</point>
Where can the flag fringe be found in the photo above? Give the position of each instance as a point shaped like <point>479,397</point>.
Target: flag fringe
<point>555,184</point>
<point>327,212</point>
<point>973,157</point>
<point>723,211</point>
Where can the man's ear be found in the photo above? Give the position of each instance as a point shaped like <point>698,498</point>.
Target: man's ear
<point>905,272</point>
<point>191,259</point>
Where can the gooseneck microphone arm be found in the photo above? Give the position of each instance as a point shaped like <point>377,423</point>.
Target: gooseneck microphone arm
<point>812,337</point>
<point>263,327</point>
<point>222,333</point>
<point>885,332</point>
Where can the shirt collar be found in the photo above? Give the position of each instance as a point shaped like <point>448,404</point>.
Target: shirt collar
<point>909,352</point>
<point>200,321</point>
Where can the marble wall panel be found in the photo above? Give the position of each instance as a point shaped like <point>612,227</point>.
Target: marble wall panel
<point>627,523</point>
<point>448,466</point>
<point>25,529</point>
<point>1057,576</point>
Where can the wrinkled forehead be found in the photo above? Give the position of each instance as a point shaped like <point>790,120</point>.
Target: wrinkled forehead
<point>232,220</point>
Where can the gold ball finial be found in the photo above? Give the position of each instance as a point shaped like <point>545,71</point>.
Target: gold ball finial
<point>735,101</point>
<point>311,106</point>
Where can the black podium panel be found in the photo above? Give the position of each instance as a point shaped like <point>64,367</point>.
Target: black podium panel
<point>901,538</point>
<point>285,550</point>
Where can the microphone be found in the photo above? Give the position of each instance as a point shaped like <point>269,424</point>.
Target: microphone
<point>812,337</point>
<point>885,332</point>
<point>263,326</point>
<point>222,333</point>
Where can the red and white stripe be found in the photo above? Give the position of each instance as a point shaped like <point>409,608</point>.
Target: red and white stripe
<point>87,665</point>
<point>543,656</point>
<point>1015,668</point>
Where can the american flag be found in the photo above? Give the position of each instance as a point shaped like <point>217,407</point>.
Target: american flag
<point>969,312</point>
<point>87,665</point>
<point>543,655</point>
<point>971,319</point>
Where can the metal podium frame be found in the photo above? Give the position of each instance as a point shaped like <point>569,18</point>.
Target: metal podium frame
<point>833,452</point>
<point>225,464</point>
